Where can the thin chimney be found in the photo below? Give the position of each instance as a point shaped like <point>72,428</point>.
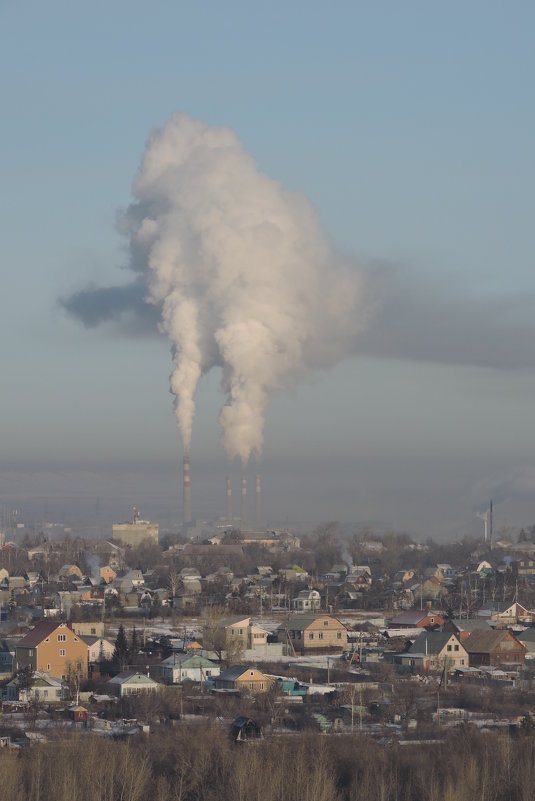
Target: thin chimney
<point>258,499</point>
<point>187,491</point>
<point>229,500</point>
<point>243,516</point>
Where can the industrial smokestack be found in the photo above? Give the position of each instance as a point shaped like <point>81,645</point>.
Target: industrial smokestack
<point>258,500</point>
<point>229,500</point>
<point>243,516</point>
<point>187,491</point>
<point>490,522</point>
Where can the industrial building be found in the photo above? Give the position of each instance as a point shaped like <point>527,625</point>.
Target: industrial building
<point>136,531</point>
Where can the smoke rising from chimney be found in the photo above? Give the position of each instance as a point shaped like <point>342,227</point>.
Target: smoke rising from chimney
<point>243,274</point>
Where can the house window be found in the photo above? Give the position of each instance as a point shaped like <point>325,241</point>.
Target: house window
<point>261,685</point>
<point>45,693</point>
<point>251,673</point>
<point>48,668</point>
<point>325,622</point>
<point>455,647</point>
<point>311,636</point>
<point>62,638</point>
<point>339,635</point>
<point>62,651</point>
<point>462,661</point>
<point>240,631</point>
<point>449,648</point>
<point>251,685</point>
<point>320,636</point>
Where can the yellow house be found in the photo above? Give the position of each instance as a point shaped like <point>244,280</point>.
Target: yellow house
<point>247,679</point>
<point>313,633</point>
<point>52,648</point>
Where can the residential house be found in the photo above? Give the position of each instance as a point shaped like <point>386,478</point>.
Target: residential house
<point>136,577</point>
<point>234,634</point>
<point>462,628</point>
<point>514,613</point>
<point>93,629</point>
<point>243,678</point>
<point>179,667</point>
<point>132,683</point>
<point>307,601</point>
<point>69,571</point>
<point>107,574</point>
<point>498,647</point>
<point>7,655</point>
<point>361,577</point>
<point>435,650</point>
<point>417,620</point>
<point>98,649</point>
<point>527,638</point>
<point>447,570</point>
<point>305,633</point>
<point>53,648</point>
<point>44,689</point>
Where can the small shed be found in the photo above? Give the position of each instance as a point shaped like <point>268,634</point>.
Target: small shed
<point>78,713</point>
<point>244,729</point>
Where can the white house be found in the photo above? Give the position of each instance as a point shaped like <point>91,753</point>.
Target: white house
<point>307,601</point>
<point>44,689</point>
<point>132,683</point>
<point>178,667</point>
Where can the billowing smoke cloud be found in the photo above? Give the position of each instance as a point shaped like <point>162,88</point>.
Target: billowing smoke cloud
<point>243,274</point>
<point>517,484</point>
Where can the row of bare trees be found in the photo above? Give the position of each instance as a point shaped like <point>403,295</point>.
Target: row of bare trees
<point>187,763</point>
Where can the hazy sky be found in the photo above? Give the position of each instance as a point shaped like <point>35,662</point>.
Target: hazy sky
<point>408,126</point>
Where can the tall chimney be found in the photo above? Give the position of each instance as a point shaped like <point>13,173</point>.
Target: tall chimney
<point>187,491</point>
<point>229,500</point>
<point>243,516</point>
<point>258,499</point>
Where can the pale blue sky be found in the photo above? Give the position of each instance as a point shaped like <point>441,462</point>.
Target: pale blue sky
<point>409,126</point>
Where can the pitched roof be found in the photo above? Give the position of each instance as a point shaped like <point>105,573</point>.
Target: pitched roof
<point>302,622</point>
<point>485,641</point>
<point>431,643</point>
<point>470,624</point>
<point>234,672</point>
<point>128,675</point>
<point>40,632</point>
<point>409,618</point>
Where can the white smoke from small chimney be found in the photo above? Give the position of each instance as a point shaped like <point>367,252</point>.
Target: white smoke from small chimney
<point>244,275</point>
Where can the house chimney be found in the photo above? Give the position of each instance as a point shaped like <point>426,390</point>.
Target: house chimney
<point>229,500</point>
<point>243,516</point>
<point>187,491</point>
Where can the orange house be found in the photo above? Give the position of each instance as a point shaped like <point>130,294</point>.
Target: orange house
<point>52,648</point>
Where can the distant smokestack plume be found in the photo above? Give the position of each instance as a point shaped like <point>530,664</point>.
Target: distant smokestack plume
<point>257,500</point>
<point>243,273</point>
<point>229,500</point>
<point>243,516</point>
<point>187,491</point>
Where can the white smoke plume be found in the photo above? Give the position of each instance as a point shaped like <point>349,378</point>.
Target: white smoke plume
<point>243,273</point>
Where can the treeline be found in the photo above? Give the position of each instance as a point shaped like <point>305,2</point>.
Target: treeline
<point>203,764</point>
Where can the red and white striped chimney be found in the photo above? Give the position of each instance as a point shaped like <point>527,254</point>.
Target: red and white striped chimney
<point>186,509</point>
